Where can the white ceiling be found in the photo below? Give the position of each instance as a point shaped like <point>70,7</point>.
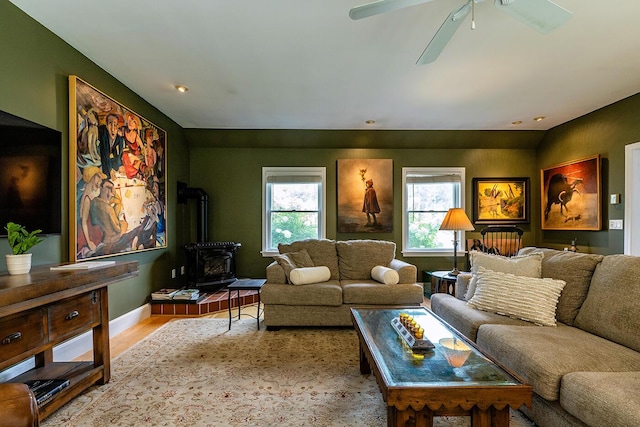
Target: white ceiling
<point>304,64</point>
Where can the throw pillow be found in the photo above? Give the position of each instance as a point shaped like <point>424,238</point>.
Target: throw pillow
<point>528,265</point>
<point>385,275</point>
<point>290,260</point>
<point>526,298</point>
<point>308,275</point>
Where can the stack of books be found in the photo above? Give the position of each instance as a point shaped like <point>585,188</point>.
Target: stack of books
<point>44,390</point>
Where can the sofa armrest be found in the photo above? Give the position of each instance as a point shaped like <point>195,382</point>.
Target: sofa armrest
<point>462,284</point>
<point>18,406</point>
<point>408,272</point>
<point>275,273</point>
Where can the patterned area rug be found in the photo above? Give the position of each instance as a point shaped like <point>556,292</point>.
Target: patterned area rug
<point>193,372</point>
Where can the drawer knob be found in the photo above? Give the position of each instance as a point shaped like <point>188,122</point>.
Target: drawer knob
<point>12,337</point>
<point>72,315</point>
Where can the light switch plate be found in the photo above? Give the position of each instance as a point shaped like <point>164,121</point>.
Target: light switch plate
<point>615,224</point>
<point>615,199</point>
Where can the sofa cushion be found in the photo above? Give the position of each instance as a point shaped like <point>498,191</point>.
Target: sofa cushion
<point>602,398</point>
<point>526,298</point>
<point>308,275</point>
<point>385,275</point>
<point>358,257</point>
<point>576,269</point>
<point>543,355</point>
<point>290,260</point>
<point>326,293</point>
<point>527,265</point>
<point>613,302</point>
<point>467,319</point>
<point>321,251</point>
<point>370,292</point>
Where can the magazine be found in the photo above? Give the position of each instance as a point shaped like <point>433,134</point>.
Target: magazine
<point>186,294</point>
<point>164,294</point>
<point>44,390</point>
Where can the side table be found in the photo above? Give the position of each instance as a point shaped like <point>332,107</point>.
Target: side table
<point>244,285</point>
<point>446,279</point>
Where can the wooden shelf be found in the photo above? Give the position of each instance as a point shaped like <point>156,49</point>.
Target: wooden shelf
<point>44,308</point>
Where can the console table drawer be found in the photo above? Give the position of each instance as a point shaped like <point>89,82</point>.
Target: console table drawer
<point>72,315</point>
<point>21,332</point>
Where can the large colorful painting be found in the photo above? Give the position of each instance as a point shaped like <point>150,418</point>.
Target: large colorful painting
<point>501,200</point>
<point>117,182</point>
<point>365,195</point>
<point>570,198</point>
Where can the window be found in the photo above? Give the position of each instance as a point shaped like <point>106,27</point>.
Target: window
<point>427,195</point>
<point>293,205</point>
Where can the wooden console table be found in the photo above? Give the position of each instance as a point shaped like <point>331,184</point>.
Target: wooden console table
<point>44,308</point>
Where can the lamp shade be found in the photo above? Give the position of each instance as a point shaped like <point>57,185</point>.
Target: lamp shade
<point>456,219</point>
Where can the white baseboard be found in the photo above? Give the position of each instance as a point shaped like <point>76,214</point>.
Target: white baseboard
<point>81,344</point>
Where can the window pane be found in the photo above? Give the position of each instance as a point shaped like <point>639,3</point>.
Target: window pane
<point>423,231</point>
<point>431,197</point>
<point>294,197</point>
<point>287,227</point>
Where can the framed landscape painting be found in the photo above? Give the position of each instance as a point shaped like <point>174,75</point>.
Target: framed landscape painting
<point>501,201</point>
<point>117,191</point>
<point>571,198</point>
<point>365,195</point>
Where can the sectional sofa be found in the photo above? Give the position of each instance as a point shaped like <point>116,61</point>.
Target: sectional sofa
<point>333,276</point>
<point>585,370</point>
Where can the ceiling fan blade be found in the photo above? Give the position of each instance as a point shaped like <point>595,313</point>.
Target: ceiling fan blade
<point>381,6</point>
<point>543,16</point>
<point>444,34</point>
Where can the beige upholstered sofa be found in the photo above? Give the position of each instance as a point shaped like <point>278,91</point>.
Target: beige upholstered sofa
<point>348,265</point>
<point>586,369</point>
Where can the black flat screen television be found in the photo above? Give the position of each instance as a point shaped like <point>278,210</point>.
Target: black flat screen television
<point>30,175</point>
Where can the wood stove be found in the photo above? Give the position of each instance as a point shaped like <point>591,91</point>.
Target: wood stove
<point>211,265</point>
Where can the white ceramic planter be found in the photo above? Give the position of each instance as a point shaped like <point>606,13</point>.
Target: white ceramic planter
<point>18,264</point>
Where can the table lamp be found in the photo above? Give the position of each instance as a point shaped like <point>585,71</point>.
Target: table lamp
<point>457,220</point>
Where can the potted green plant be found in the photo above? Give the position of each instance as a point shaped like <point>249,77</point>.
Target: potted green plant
<point>20,241</point>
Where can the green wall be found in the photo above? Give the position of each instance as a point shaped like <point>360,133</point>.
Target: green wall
<point>34,70</point>
<point>606,132</point>
<point>232,177</point>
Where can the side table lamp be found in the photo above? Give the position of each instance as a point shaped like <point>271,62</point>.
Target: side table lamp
<point>457,220</point>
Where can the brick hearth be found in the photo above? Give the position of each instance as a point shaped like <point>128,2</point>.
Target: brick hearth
<point>211,303</point>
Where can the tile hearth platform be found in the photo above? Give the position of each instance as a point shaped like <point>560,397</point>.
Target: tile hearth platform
<point>211,303</point>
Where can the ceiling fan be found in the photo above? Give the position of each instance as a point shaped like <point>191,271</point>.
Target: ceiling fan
<point>541,15</point>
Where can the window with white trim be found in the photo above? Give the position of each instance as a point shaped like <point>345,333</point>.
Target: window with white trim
<point>427,195</point>
<point>293,205</point>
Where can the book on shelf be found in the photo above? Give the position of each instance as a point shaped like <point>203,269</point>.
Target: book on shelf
<point>44,390</point>
<point>82,265</point>
<point>186,294</point>
<point>164,294</point>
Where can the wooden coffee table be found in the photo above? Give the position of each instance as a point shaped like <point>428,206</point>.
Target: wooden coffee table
<point>418,388</point>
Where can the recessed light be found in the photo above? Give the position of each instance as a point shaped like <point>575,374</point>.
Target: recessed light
<point>181,89</point>
<point>516,122</point>
<point>538,119</point>
<point>370,122</point>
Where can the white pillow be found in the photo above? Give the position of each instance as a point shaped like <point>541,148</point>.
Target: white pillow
<point>307,275</point>
<point>525,265</point>
<point>526,298</point>
<point>385,275</point>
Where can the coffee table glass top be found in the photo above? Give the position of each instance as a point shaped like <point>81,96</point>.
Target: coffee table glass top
<point>400,367</point>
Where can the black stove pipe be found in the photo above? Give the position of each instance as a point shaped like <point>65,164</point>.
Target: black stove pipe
<point>184,193</point>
